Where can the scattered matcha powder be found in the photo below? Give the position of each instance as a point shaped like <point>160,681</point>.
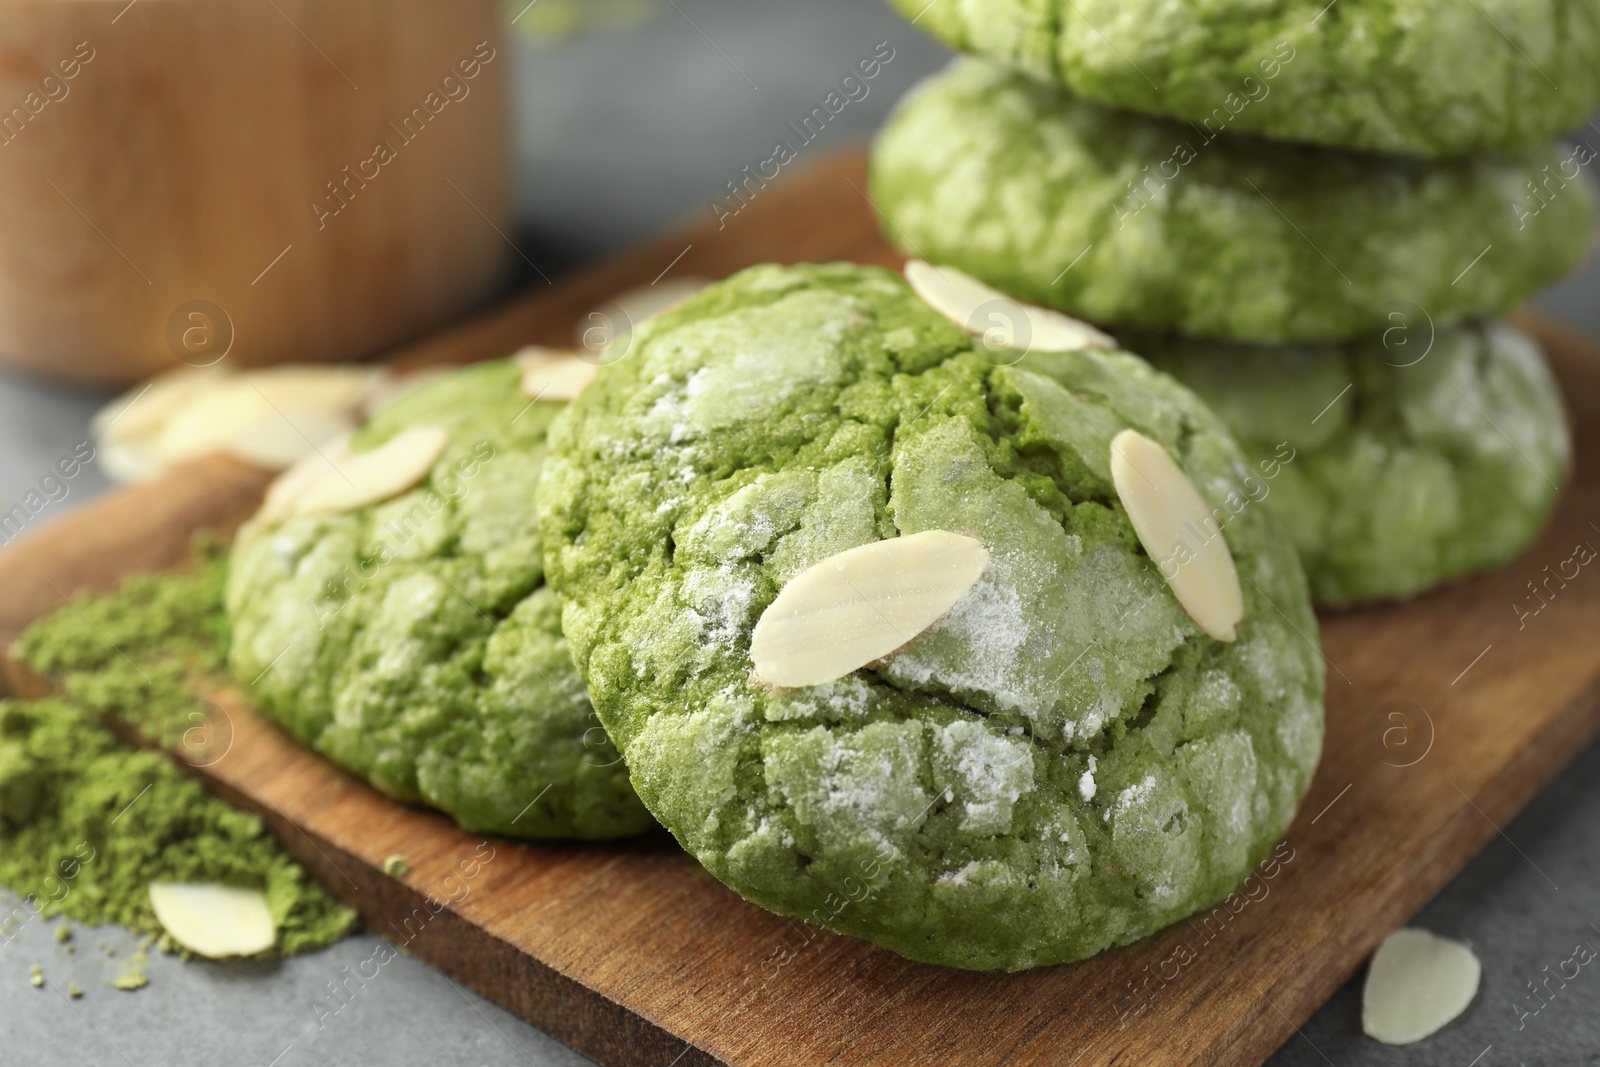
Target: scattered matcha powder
<point>131,654</point>
<point>396,866</point>
<point>87,822</point>
<point>130,979</point>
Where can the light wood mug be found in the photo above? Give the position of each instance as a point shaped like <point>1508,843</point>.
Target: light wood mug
<point>185,181</point>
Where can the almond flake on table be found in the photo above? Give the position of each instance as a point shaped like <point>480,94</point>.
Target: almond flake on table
<point>215,921</point>
<point>1417,982</point>
<point>267,416</point>
<point>277,439</point>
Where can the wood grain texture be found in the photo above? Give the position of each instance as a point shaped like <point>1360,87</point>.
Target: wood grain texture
<point>183,156</point>
<point>1446,715</point>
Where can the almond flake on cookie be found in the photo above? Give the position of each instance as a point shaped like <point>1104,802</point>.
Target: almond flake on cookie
<point>860,605</point>
<point>1002,322</point>
<point>1178,532</point>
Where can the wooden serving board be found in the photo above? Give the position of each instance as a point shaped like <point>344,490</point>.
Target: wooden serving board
<point>1446,714</point>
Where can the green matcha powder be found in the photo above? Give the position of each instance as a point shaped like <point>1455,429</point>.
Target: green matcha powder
<point>87,822</point>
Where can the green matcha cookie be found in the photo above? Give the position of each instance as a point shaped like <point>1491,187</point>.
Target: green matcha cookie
<point>1142,223</point>
<point>1418,77</point>
<point>414,642</point>
<point>1062,763</point>
<point>1392,466</point>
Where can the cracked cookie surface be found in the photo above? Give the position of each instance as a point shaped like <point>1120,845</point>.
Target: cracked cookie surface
<point>1403,77</point>
<point>1144,223</point>
<point>414,641</point>
<point>1063,763</point>
<point>1398,462</point>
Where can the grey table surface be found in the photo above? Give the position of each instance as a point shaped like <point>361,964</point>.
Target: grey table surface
<point>621,131</point>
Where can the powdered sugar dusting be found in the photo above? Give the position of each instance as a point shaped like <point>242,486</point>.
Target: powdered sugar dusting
<point>846,698</point>
<point>866,782</point>
<point>977,872</point>
<point>975,649</point>
<point>988,773</point>
<point>1103,711</point>
<point>1133,796</point>
<point>724,601</point>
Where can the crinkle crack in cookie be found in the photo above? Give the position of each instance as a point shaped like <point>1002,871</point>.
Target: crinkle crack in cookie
<point>1395,463</point>
<point>1407,77</point>
<point>1062,762</point>
<point>1145,223</point>
<point>388,607</point>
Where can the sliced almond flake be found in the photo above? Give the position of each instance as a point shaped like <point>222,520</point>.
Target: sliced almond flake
<point>142,412</point>
<point>209,421</point>
<point>553,373</point>
<point>858,606</point>
<point>1417,982</point>
<point>279,438</point>
<point>979,309</point>
<point>215,921</point>
<point>126,430</point>
<point>190,413</point>
<point>331,386</point>
<point>285,404</point>
<point>365,478</point>
<point>1178,532</point>
<point>284,494</point>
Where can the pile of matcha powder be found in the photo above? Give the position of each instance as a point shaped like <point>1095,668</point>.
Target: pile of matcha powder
<point>87,821</point>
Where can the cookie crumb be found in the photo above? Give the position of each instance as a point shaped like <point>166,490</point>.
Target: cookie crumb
<point>36,976</point>
<point>396,866</point>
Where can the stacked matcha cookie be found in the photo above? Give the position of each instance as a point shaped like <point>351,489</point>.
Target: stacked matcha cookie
<point>388,608</point>
<point>1334,304</point>
<point>1405,77</point>
<point>925,637</point>
<point>1421,471</point>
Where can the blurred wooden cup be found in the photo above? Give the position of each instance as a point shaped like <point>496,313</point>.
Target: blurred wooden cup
<point>183,181</point>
